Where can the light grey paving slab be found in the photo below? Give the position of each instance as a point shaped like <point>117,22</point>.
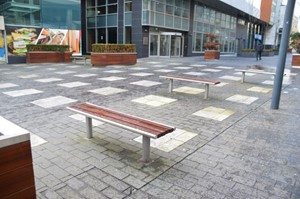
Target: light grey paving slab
<point>146,83</point>
<point>242,99</point>
<point>228,77</point>
<point>211,70</point>
<point>28,76</point>
<point>153,62</point>
<point>182,68</point>
<point>198,65</point>
<point>221,84</point>
<point>114,71</point>
<point>165,70</point>
<point>142,74</point>
<point>195,73</point>
<point>51,69</point>
<point>111,78</point>
<point>159,66</point>
<point>48,80</point>
<point>66,72</point>
<point>81,118</point>
<point>154,100</point>
<point>189,90</point>
<point>174,64</point>
<point>74,84</point>
<point>225,67</point>
<point>138,68</point>
<point>8,85</point>
<point>214,113</point>
<point>36,140</point>
<point>74,66</point>
<point>19,93</point>
<point>107,91</point>
<point>51,102</point>
<point>85,75</point>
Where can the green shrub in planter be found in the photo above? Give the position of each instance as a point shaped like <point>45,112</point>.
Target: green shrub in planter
<point>113,48</point>
<point>247,50</point>
<point>41,47</point>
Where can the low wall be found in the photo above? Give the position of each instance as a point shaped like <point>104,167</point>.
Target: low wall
<point>48,57</point>
<point>104,59</point>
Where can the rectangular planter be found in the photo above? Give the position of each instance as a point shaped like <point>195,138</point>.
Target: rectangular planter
<point>48,57</point>
<point>104,59</point>
<point>212,54</point>
<point>296,60</point>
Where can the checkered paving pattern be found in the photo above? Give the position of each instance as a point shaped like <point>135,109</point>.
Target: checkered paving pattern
<point>208,156</point>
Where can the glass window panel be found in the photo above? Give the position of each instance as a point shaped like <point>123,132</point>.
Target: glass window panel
<point>160,7</point>
<point>90,3</point>
<point>128,19</point>
<point>185,13</point>
<point>178,3</point>
<point>146,4</point>
<point>145,17</point>
<point>128,7</point>
<point>112,1</point>
<point>177,22</point>
<point>185,24</point>
<point>170,2</point>
<point>101,35</point>
<point>101,21</point>
<point>169,21</point>
<point>90,12</point>
<point>169,9</point>
<point>152,6</point>
<point>101,10</point>
<point>91,22</point>
<point>112,35</point>
<point>159,19</point>
<point>128,35</point>
<point>152,15</point>
<point>90,39</point>
<point>112,9</point>
<point>101,2</point>
<point>112,20</point>
<point>178,11</point>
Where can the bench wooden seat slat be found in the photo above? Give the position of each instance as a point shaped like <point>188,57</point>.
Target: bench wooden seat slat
<point>156,129</point>
<point>192,79</point>
<point>206,82</point>
<point>146,128</point>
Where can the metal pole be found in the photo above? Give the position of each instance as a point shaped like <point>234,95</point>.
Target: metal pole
<point>288,16</point>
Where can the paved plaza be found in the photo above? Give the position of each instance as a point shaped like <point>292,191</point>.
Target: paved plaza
<point>231,145</point>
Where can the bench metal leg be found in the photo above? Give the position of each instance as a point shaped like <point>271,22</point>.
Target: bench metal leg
<point>206,91</point>
<point>171,85</point>
<point>89,127</point>
<point>243,77</point>
<point>146,149</point>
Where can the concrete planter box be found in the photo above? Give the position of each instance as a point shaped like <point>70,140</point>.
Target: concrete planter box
<point>296,60</point>
<point>211,54</point>
<point>104,59</point>
<point>48,57</point>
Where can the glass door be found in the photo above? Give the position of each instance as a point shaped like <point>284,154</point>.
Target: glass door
<point>154,44</point>
<point>165,45</point>
<point>175,46</point>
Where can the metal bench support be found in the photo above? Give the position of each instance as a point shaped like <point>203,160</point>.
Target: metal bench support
<point>206,91</point>
<point>243,77</point>
<point>146,149</point>
<point>171,85</point>
<point>89,127</point>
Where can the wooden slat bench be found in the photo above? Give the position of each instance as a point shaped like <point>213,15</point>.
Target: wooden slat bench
<point>83,57</point>
<point>206,82</point>
<point>148,129</point>
<point>243,71</point>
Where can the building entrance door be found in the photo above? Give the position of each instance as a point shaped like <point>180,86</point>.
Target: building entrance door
<point>166,44</point>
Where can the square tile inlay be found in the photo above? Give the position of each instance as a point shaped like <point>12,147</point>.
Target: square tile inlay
<point>145,83</point>
<point>47,80</point>
<point>86,75</point>
<point>138,68</point>
<point>81,118</point>
<point>7,85</point>
<point>164,70</point>
<point>198,65</point>
<point>225,67</point>
<point>170,141</point>
<point>111,78</point>
<point>36,140</point>
<point>242,99</point>
<point>221,84</point>
<point>268,82</point>
<point>74,84</point>
<point>28,76</point>
<point>114,71</point>
<point>19,93</point>
<point>107,91</point>
<point>53,101</point>
<point>259,89</point>
<point>234,78</point>
<point>65,72</point>
<point>183,68</point>
<point>195,73</point>
<point>141,74</point>
<point>211,70</point>
<point>189,90</point>
<point>214,113</point>
<point>153,100</point>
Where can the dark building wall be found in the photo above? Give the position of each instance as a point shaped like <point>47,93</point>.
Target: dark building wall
<point>83,28</point>
<point>188,43</point>
<point>137,30</point>
<point>121,21</point>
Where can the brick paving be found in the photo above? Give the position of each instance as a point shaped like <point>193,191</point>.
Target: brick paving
<point>241,148</point>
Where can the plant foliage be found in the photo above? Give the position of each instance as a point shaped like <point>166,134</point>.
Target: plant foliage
<point>113,48</point>
<point>41,47</point>
<point>295,41</point>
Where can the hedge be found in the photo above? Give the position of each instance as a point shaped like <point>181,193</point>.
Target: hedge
<point>42,47</point>
<point>113,48</point>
